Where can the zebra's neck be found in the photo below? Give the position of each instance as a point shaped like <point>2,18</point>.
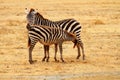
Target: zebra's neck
<point>42,21</point>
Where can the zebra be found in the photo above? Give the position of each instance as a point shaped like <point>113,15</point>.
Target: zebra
<point>70,25</point>
<point>46,36</point>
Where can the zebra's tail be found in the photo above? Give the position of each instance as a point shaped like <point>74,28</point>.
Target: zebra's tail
<point>29,42</point>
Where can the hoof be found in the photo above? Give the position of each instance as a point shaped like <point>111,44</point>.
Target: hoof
<point>47,60</point>
<point>78,57</point>
<point>56,60</point>
<point>83,57</point>
<point>31,62</point>
<point>43,60</point>
<point>63,61</point>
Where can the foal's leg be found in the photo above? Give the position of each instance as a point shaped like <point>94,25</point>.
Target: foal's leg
<point>56,49</point>
<point>47,48</point>
<point>44,53</point>
<point>61,50</point>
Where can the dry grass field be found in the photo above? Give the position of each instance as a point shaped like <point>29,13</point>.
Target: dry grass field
<point>100,20</point>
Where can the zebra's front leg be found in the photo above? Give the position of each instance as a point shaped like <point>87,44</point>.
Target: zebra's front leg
<point>56,49</point>
<point>30,55</point>
<point>31,46</point>
<point>47,48</point>
<point>61,50</point>
<point>44,53</point>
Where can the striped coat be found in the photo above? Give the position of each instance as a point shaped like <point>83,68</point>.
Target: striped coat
<point>47,36</point>
<point>70,25</point>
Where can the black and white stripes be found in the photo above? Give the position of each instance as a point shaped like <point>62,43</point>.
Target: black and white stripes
<point>69,25</point>
<point>47,36</point>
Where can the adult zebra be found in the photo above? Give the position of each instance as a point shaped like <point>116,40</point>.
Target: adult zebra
<point>70,25</point>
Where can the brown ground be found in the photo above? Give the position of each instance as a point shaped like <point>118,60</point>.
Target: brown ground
<point>100,22</point>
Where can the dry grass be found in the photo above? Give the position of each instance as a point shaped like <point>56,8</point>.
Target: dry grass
<point>100,22</point>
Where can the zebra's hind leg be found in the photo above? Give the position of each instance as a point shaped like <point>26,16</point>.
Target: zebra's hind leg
<point>44,53</point>
<point>78,47</point>
<point>82,47</point>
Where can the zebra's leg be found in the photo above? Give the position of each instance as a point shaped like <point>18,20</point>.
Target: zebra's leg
<point>44,53</point>
<point>30,54</point>
<point>56,49</point>
<point>61,50</point>
<point>32,44</point>
<point>82,47</point>
<point>47,48</point>
<point>78,47</point>
<point>80,43</point>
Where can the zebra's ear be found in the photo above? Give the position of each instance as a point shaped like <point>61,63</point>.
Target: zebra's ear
<point>34,12</point>
<point>26,10</point>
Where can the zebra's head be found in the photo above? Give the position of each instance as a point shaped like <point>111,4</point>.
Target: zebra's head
<point>30,15</point>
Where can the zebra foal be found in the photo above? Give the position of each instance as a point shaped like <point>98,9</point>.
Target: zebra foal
<point>47,36</point>
<point>69,25</point>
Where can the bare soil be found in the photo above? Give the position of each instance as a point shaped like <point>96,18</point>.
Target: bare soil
<point>100,33</point>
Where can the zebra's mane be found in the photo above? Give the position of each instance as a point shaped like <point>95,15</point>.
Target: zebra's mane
<point>38,14</point>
